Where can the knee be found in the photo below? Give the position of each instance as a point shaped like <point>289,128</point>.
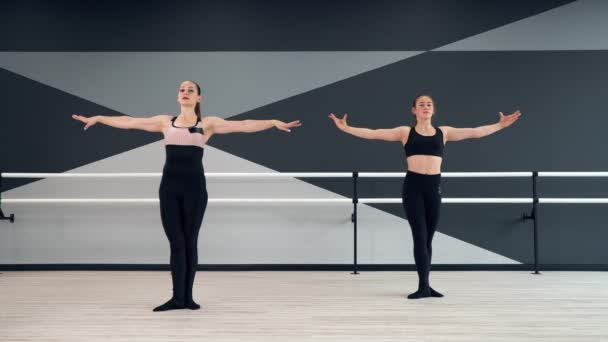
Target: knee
<point>420,241</point>
<point>178,248</point>
<point>191,247</point>
<point>420,248</point>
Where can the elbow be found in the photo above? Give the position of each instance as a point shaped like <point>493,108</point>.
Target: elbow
<point>248,126</point>
<point>373,135</point>
<point>129,123</point>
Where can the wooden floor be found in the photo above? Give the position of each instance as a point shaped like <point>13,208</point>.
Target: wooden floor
<point>305,306</point>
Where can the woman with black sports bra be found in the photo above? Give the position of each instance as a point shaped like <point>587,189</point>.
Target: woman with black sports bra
<point>182,191</point>
<point>423,144</point>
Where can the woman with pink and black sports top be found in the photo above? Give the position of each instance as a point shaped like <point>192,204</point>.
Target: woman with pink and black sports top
<point>182,192</point>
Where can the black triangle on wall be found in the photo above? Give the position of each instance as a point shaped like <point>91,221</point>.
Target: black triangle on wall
<point>39,135</point>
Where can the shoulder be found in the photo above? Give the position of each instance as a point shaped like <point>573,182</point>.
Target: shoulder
<point>162,117</point>
<point>210,120</point>
<point>161,121</point>
<point>209,123</point>
<point>404,129</point>
<point>444,129</point>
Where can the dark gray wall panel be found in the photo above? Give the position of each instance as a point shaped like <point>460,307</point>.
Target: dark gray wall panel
<point>553,89</point>
<point>261,25</point>
<point>39,135</point>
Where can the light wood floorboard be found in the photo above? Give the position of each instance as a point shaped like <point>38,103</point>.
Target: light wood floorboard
<point>305,306</point>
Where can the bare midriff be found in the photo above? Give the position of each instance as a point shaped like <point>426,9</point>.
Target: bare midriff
<point>423,164</point>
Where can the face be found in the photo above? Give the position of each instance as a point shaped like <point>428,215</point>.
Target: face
<point>424,108</point>
<point>187,95</point>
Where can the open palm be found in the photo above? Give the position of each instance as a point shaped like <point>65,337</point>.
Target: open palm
<point>508,120</point>
<point>340,123</point>
<point>286,126</point>
<point>87,121</point>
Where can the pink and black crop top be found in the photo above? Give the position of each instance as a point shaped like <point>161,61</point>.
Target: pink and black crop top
<point>185,136</point>
<point>184,148</point>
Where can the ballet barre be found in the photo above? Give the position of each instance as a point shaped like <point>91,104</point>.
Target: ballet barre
<point>535,200</point>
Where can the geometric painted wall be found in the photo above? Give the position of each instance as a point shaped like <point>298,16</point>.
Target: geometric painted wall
<point>302,60</point>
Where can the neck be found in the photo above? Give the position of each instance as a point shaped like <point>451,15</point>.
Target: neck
<point>424,123</point>
<point>188,113</point>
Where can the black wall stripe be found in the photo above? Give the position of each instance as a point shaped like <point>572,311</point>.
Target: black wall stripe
<point>261,25</point>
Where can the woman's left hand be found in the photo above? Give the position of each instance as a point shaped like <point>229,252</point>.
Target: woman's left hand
<point>508,120</point>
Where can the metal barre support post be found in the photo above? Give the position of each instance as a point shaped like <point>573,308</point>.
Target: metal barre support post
<point>10,217</point>
<point>534,217</point>
<point>354,220</point>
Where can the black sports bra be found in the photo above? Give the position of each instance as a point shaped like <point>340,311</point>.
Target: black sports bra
<point>427,145</point>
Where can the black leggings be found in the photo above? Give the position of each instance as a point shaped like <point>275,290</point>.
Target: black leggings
<point>421,202</point>
<point>183,201</point>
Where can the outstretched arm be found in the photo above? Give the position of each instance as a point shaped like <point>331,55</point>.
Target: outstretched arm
<point>220,126</point>
<point>457,134</point>
<point>151,124</point>
<point>390,134</point>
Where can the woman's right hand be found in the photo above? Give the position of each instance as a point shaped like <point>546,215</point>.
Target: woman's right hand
<point>88,121</point>
<point>340,123</point>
